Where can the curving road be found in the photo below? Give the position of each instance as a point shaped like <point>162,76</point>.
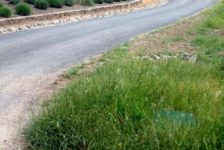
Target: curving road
<point>31,59</point>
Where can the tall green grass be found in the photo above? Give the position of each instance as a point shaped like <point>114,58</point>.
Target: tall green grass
<point>113,108</point>
<point>117,106</point>
<point>209,35</point>
<point>215,17</point>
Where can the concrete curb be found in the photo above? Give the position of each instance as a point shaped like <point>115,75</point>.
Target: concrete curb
<point>98,10</point>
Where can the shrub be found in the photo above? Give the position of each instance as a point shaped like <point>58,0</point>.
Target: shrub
<point>41,4</point>
<point>55,3</point>
<point>29,1</point>
<point>69,2</point>
<point>14,2</point>
<point>5,12</point>
<point>87,2</point>
<point>23,9</point>
<point>98,1</point>
<point>108,1</point>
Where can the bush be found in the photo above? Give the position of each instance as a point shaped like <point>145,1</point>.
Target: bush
<point>69,2</point>
<point>14,2</point>
<point>29,1</point>
<point>5,12</point>
<point>87,2</point>
<point>108,1</point>
<point>55,3</point>
<point>98,1</point>
<point>23,9</point>
<point>41,4</point>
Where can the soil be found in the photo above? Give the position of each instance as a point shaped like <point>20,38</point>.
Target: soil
<point>173,39</point>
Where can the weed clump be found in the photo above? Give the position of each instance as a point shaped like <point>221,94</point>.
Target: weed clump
<point>5,12</point>
<point>55,3</point>
<point>41,4</point>
<point>23,9</point>
<point>69,2</point>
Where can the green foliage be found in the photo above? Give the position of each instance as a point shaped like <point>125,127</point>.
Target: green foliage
<point>108,1</point>
<point>55,3</point>
<point>210,46</point>
<point>216,18</point>
<point>14,2</point>
<point>113,108</point>
<point>98,1</point>
<point>209,41</point>
<point>69,2</point>
<point>41,4</point>
<point>5,12</point>
<point>87,2</point>
<point>29,1</point>
<point>23,9</point>
<point>221,67</point>
<point>216,22</point>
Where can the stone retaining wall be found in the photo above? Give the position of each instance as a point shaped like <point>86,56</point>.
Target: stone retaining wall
<point>99,10</point>
<point>49,19</point>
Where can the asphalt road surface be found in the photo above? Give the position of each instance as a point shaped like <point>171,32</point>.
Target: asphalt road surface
<point>31,59</point>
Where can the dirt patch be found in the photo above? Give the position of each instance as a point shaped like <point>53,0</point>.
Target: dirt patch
<point>175,38</point>
<point>20,100</point>
<point>221,53</point>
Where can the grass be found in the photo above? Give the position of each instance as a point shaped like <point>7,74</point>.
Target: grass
<point>208,35</point>
<point>121,104</point>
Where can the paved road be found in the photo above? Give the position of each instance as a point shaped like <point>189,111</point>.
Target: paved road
<point>31,59</point>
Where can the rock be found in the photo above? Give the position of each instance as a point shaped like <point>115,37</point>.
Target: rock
<point>144,57</point>
<point>193,58</point>
<point>165,57</point>
<point>186,56</point>
<point>155,57</point>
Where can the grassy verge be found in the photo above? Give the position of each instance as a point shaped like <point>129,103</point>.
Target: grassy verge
<point>134,103</point>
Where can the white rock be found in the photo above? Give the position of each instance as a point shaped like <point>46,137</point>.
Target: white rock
<point>155,57</point>
<point>193,58</point>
